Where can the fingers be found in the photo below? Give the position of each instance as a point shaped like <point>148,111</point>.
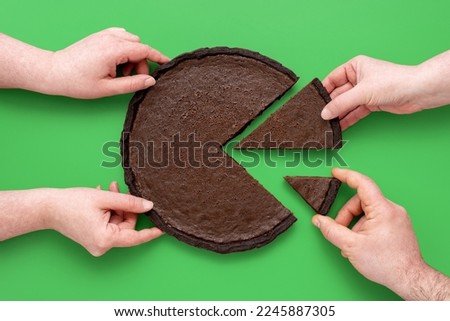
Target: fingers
<point>130,237</point>
<point>114,187</point>
<point>121,33</point>
<point>117,216</point>
<point>368,191</point>
<point>134,49</point>
<point>116,237</point>
<point>346,94</point>
<point>134,56</point>
<point>128,68</point>
<point>344,103</point>
<point>340,90</point>
<point>129,84</point>
<point>140,68</point>
<point>136,52</point>
<point>337,234</point>
<point>156,56</point>
<point>359,225</point>
<point>129,220</point>
<point>349,211</point>
<point>340,76</point>
<point>125,35</point>
<point>124,202</point>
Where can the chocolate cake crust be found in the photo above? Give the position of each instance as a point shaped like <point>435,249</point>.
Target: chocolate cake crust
<point>205,52</point>
<point>229,247</point>
<point>334,123</point>
<point>333,189</point>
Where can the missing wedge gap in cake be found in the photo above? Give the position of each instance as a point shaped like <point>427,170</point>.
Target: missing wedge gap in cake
<point>188,150</point>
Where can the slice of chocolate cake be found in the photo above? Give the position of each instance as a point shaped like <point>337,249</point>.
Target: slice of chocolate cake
<point>172,148</point>
<point>298,124</point>
<point>318,192</point>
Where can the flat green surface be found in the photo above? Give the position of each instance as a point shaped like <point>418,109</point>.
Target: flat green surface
<point>57,142</point>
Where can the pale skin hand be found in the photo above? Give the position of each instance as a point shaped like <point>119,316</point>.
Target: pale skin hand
<point>95,219</point>
<point>382,245</point>
<point>98,220</point>
<point>364,85</point>
<point>86,69</point>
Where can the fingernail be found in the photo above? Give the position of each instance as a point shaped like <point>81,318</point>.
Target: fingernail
<point>160,231</point>
<point>150,81</point>
<point>147,205</point>
<point>316,222</point>
<point>326,114</point>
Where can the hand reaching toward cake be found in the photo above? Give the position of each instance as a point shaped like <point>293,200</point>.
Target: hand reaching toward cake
<point>86,69</point>
<point>382,245</point>
<point>364,85</point>
<point>98,220</point>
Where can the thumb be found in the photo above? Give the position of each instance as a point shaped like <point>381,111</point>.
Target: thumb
<point>129,84</point>
<point>337,234</point>
<point>124,202</point>
<point>344,103</point>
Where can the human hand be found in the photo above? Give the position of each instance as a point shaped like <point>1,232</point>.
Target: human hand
<point>382,245</point>
<point>364,85</point>
<point>87,69</point>
<point>99,220</point>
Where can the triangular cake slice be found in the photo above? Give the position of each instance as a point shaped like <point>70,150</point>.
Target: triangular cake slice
<point>318,192</point>
<point>298,124</point>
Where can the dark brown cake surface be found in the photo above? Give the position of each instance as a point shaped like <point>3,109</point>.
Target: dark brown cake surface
<point>172,148</point>
<point>318,192</point>
<point>298,124</point>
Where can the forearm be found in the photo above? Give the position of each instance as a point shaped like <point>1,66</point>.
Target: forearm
<point>423,283</point>
<point>434,81</point>
<point>23,66</point>
<point>22,212</point>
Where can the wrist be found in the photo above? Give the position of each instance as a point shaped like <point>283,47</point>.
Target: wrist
<point>40,207</point>
<point>54,81</point>
<point>411,88</point>
<point>22,212</point>
<point>42,78</point>
<point>420,282</point>
<point>50,198</point>
<point>24,66</point>
<point>434,81</point>
<point>407,278</point>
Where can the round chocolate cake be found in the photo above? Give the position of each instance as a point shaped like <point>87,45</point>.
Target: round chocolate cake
<point>172,148</point>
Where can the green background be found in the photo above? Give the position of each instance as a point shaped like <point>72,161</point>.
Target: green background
<point>57,142</point>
